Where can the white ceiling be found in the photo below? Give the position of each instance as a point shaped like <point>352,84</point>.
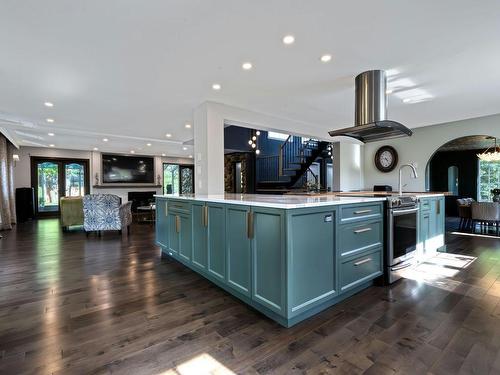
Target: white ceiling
<point>132,71</point>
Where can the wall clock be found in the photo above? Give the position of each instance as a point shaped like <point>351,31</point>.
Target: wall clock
<point>386,159</point>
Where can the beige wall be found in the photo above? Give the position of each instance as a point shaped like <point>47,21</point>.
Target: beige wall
<point>420,147</point>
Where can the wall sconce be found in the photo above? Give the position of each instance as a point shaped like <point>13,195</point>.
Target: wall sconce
<point>16,158</point>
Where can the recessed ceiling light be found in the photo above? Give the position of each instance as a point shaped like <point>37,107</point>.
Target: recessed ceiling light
<point>216,86</point>
<point>96,149</point>
<point>51,120</point>
<point>326,58</point>
<point>51,145</point>
<point>389,91</point>
<point>184,148</point>
<point>288,39</point>
<point>132,151</point>
<point>163,154</point>
<point>187,125</point>
<point>148,144</point>
<point>168,135</point>
<point>105,139</point>
<point>191,156</point>
<point>48,104</point>
<point>50,134</point>
<point>247,66</point>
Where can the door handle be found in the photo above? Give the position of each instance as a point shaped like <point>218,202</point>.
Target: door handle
<point>205,216</point>
<point>363,261</point>
<point>177,223</point>
<point>250,224</point>
<point>360,212</point>
<point>363,230</point>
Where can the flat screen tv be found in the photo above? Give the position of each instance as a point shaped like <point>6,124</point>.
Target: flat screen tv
<point>127,169</point>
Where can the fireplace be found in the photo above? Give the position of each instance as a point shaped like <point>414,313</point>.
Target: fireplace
<point>140,198</point>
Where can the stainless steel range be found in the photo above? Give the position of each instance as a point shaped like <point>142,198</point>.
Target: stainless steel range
<point>401,235</point>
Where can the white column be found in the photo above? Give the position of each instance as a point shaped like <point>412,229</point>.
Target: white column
<point>347,167</point>
<point>208,150</point>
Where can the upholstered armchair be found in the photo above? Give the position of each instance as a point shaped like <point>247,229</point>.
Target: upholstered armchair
<point>105,212</point>
<point>486,213</point>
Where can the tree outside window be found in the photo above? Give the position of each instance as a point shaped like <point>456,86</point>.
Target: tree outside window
<point>489,178</point>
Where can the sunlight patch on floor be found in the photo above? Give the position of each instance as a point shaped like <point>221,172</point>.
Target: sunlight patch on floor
<point>203,364</point>
<point>440,269</point>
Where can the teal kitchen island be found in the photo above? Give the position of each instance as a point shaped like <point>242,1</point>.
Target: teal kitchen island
<point>287,256</point>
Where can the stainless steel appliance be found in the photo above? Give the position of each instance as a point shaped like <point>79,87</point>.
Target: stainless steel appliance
<point>371,123</point>
<point>401,235</point>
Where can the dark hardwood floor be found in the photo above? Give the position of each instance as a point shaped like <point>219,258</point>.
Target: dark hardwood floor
<point>71,305</point>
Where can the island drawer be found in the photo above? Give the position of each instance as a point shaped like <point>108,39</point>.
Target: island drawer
<point>360,212</point>
<point>425,204</point>
<point>360,269</point>
<point>179,206</point>
<point>359,237</point>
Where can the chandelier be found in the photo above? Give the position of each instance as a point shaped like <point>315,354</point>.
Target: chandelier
<point>491,153</point>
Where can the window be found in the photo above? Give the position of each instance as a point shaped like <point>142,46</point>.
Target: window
<point>489,178</point>
<point>171,178</point>
<point>277,136</point>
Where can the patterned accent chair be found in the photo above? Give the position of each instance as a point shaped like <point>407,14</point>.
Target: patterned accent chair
<point>105,212</point>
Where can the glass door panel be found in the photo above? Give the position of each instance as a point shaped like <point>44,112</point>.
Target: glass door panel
<point>171,178</point>
<point>187,186</point>
<point>74,177</point>
<point>48,187</point>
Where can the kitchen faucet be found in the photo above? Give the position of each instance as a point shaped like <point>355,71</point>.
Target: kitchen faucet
<point>414,173</point>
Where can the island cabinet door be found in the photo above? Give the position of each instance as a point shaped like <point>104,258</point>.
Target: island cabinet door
<point>185,235</point>
<point>267,231</point>
<point>216,240</point>
<point>239,249</point>
<point>161,223</point>
<point>311,258</point>
<point>199,212</point>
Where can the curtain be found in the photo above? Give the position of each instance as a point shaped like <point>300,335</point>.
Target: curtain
<point>7,199</point>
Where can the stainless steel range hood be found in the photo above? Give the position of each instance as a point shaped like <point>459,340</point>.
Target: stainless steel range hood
<point>371,122</point>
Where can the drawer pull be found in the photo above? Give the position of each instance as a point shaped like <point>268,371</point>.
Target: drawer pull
<point>363,261</point>
<point>363,230</point>
<point>360,212</point>
<point>166,209</point>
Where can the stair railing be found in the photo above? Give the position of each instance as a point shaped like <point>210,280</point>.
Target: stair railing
<point>284,158</point>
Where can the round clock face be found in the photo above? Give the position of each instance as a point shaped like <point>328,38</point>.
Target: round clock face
<point>386,158</point>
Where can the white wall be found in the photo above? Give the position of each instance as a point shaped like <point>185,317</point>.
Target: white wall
<point>347,166</point>
<point>22,170</point>
<point>420,147</point>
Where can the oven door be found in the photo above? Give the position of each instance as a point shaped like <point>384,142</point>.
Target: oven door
<point>402,237</point>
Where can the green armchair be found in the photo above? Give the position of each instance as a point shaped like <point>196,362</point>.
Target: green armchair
<point>71,211</point>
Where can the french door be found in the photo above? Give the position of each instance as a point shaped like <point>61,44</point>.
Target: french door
<point>178,179</point>
<point>53,178</point>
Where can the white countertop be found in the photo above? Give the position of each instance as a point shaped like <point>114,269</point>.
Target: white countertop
<point>276,201</point>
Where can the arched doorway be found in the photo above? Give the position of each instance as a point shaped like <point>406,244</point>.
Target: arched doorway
<point>455,168</point>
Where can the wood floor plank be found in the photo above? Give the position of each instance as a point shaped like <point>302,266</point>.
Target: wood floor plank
<point>111,305</point>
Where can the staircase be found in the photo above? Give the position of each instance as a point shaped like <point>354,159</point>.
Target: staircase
<point>288,170</point>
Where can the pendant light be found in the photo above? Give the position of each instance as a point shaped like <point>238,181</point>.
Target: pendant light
<point>490,154</point>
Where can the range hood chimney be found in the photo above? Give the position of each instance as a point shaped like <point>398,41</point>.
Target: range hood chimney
<point>370,118</point>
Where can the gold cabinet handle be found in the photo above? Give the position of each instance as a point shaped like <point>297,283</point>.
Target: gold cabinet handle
<point>363,261</point>
<point>205,216</point>
<point>250,224</point>
<point>363,230</point>
<point>438,209</point>
<point>362,212</point>
<point>177,223</point>
<point>166,209</point>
